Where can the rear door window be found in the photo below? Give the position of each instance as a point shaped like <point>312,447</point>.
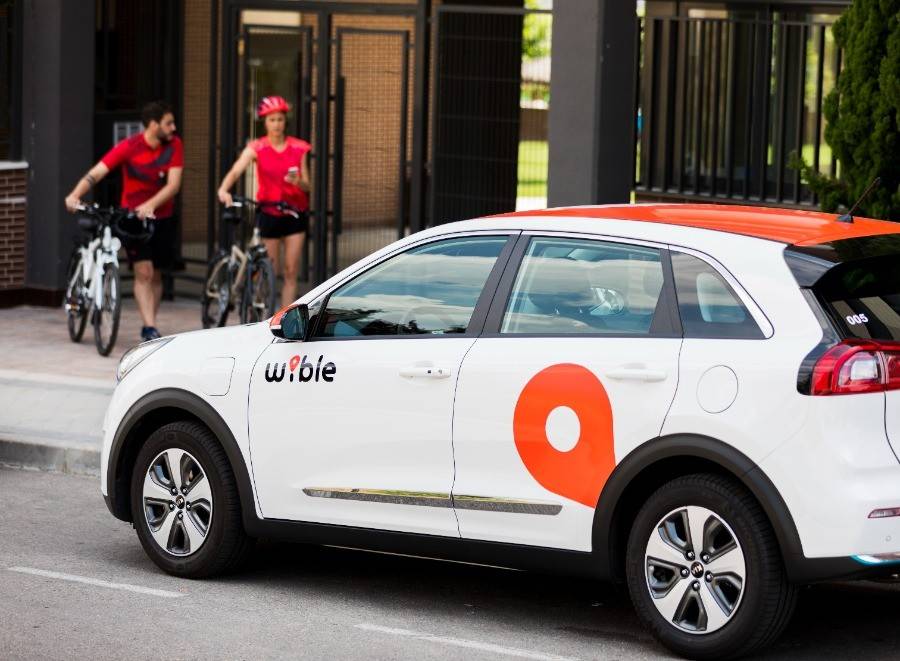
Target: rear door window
<point>863,297</point>
<point>584,287</point>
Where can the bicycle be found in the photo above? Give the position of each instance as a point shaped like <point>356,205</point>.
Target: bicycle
<point>92,277</point>
<point>242,275</point>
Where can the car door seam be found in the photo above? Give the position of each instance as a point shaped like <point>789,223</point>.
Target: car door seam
<point>453,430</point>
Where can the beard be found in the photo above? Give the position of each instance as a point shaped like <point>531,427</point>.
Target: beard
<point>162,136</point>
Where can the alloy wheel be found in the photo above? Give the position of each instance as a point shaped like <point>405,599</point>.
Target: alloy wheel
<point>695,570</point>
<point>178,502</point>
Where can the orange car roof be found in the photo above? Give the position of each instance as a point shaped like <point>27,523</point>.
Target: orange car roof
<point>792,226</point>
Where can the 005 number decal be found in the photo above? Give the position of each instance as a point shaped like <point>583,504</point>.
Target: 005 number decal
<point>854,319</point>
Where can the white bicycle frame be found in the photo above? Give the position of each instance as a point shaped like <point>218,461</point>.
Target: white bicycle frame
<point>102,250</point>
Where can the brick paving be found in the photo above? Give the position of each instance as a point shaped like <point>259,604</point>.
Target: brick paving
<point>35,339</point>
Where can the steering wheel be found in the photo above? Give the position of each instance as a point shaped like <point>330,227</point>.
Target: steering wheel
<point>612,302</point>
<point>435,310</point>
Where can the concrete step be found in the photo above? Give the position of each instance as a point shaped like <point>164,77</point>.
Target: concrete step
<point>52,421</point>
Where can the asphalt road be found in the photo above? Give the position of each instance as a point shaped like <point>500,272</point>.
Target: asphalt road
<point>75,583</point>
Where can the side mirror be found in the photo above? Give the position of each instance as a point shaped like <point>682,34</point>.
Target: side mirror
<point>291,323</point>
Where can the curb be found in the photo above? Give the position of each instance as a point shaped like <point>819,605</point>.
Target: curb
<point>26,442</point>
<point>49,457</point>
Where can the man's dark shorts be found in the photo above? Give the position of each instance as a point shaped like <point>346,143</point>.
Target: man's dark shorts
<point>275,227</point>
<point>161,247</point>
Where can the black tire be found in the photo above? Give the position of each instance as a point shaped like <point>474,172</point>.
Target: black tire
<point>108,310</point>
<point>768,599</point>
<point>216,302</point>
<point>226,546</point>
<point>259,291</point>
<point>76,306</point>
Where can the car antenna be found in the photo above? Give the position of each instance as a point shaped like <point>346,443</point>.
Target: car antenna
<point>848,217</point>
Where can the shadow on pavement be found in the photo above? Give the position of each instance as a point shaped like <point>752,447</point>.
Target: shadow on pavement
<point>832,620</point>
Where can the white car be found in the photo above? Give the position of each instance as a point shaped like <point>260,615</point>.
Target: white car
<point>701,401</point>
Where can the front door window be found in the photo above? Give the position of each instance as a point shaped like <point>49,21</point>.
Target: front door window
<point>429,290</point>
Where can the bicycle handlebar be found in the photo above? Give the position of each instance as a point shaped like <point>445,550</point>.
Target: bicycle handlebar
<point>113,216</point>
<point>238,201</point>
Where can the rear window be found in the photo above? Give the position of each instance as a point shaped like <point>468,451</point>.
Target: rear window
<point>863,297</point>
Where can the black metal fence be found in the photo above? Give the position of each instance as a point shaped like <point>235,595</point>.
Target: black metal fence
<point>491,99</point>
<point>726,105</point>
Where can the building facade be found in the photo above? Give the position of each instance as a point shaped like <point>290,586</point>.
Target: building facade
<point>419,111</point>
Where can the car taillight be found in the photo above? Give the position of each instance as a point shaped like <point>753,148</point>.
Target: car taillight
<point>856,366</point>
<point>892,359</point>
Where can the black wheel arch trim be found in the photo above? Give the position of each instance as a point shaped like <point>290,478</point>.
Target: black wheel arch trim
<point>193,405</point>
<point>799,568</point>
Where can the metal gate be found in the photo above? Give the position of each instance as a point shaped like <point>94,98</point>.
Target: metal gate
<point>416,117</point>
<point>350,73</point>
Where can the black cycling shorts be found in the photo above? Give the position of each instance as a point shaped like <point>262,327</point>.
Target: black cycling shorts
<point>160,248</point>
<point>275,227</point>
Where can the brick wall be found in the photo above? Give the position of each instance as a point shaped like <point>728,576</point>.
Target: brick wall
<point>13,178</point>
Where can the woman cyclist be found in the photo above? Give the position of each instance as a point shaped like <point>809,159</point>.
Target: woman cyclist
<point>282,175</point>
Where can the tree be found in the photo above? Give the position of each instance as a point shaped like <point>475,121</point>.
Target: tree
<point>535,32</point>
<point>863,112</point>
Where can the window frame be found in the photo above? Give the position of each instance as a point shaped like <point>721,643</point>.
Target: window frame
<point>479,314</point>
<point>667,326</point>
<point>762,321</point>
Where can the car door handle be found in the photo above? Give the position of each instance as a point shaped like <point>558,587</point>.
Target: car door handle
<point>425,372</point>
<point>636,374</point>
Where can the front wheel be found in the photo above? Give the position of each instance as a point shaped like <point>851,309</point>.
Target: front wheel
<point>76,302</point>
<point>185,504</point>
<point>216,302</point>
<point>107,310</point>
<point>259,293</point>
<point>704,570</point>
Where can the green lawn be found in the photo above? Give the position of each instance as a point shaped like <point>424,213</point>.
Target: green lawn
<point>824,156</point>
<point>532,168</point>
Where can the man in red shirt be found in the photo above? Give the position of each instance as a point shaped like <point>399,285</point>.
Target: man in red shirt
<point>151,162</point>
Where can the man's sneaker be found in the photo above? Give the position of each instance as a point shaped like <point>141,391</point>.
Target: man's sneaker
<point>149,333</point>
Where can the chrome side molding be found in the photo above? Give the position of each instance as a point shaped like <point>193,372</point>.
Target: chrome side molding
<point>431,499</point>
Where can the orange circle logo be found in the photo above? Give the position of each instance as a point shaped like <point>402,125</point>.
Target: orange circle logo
<point>580,473</point>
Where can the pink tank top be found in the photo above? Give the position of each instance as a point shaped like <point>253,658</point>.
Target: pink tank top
<point>271,168</point>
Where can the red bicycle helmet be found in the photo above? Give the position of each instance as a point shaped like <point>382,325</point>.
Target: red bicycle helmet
<point>270,104</point>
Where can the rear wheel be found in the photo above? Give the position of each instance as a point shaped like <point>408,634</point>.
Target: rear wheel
<point>107,310</point>
<point>216,302</point>
<point>704,569</point>
<point>76,303</point>
<point>259,293</point>
<point>185,504</point>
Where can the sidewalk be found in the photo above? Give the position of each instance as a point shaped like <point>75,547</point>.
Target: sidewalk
<point>54,393</point>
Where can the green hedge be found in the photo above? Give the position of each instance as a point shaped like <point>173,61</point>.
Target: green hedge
<point>863,112</point>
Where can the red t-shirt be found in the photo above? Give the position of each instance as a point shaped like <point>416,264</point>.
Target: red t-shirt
<point>145,170</point>
<point>271,168</point>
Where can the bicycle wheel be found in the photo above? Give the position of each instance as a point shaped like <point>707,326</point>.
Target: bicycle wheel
<point>259,293</point>
<point>216,301</point>
<point>75,302</point>
<point>107,311</point>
